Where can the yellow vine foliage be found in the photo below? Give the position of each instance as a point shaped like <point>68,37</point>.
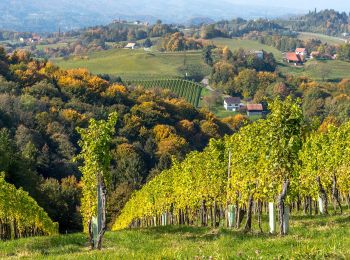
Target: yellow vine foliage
<point>16,206</point>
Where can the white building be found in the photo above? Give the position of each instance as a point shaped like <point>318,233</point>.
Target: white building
<point>131,46</point>
<point>259,54</point>
<point>232,103</point>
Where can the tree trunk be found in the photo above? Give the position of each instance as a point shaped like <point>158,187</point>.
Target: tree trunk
<point>214,214</point>
<point>281,200</point>
<point>323,195</point>
<point>335,195</point>
<point>91,235</point>
<point>259,215</point>
<point>241,213</point>
<point>310,205</point>
<point>248,224</point>
<point>102,210</point>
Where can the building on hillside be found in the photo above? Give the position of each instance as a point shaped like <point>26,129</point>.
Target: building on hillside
<point>301,51</point>
<point>259,54</point>
<point>292,57</point>
<point>131,46</point>
<point>232,103</point>
<point>205,82</point>
<point>255,109</point>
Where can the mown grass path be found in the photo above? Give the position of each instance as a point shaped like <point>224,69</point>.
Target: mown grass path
<point>310,238</point>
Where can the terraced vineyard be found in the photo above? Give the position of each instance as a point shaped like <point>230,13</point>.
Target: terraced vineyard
<point>186,89</point>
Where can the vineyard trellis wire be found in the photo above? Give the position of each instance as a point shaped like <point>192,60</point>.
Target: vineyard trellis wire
<point>189,90</point>
<point>20,215</point>
<point>272,161</point>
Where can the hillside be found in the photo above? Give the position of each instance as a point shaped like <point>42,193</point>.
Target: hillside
<point>135,64</point>
<point>42,105</point>
<point>249,45</point>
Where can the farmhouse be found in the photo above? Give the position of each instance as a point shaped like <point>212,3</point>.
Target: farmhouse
<point>292,57</point>
<point>232,103</point>
<point>298,57</point>
<point>301,51</point>
<point>254,109</point>
<point>131,46</point>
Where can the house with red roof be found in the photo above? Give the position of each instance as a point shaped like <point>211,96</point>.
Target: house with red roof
<point>298,57</point>
<point>255,109</point>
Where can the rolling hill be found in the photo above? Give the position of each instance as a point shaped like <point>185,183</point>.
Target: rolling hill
<point>42,15</point>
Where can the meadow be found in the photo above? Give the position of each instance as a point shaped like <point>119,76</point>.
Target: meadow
<point>249,45</point>
<point>322,37</point>
<point>311,237</point>
<point>133,64</point>
<point>315,69</point>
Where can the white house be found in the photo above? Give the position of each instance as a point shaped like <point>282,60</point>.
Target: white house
<point>232,103</point>
<point>131,46</point>
<point>259,54</point>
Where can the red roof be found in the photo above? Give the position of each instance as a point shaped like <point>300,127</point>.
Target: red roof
<point>291,56</point>
<point>254,107</point>
<point>300,50</point>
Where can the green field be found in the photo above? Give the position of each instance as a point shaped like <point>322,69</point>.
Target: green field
<point>313,69</point>
<point>310,238</point>
<point>237,43</point>
<point>324,38</point>
<point>133,64</point>
<point>55,45</point>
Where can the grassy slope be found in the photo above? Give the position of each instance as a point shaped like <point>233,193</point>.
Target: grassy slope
<point>324,38</point>
<point>237,43</point>
<point>133,63</point>
<point>310,238</point>
<point>338,70</point>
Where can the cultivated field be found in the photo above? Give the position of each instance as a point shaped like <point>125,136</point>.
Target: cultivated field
<point>188,90</point>
<point>310,238</point>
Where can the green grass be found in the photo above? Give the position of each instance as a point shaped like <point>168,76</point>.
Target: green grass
<point>313,69</point>
<point>310,238</point>
<point>324,38</point>
<point>133,64</point>
<point>51,46</point>
<point>250,45</point>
